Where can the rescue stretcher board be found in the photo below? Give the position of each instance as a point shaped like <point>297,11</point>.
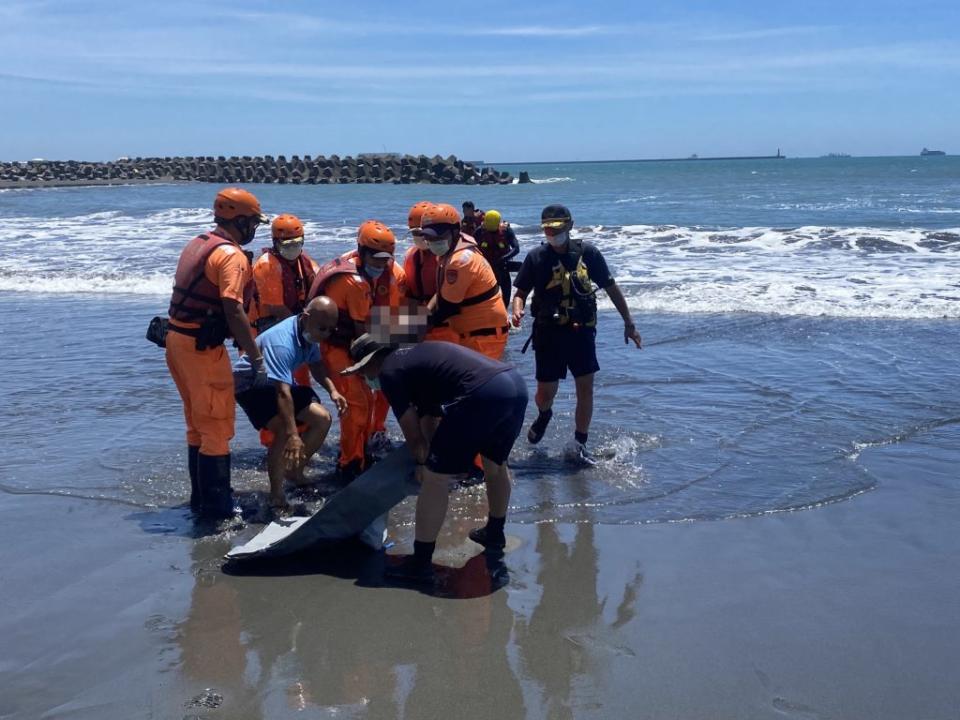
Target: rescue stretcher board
<point>359,510</point>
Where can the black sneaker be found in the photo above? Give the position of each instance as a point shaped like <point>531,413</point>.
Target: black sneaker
<point>410,570</point>
<point>539,427</point>
<point>490,539</point>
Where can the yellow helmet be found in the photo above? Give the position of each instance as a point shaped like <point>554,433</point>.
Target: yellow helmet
<point>491,220</point>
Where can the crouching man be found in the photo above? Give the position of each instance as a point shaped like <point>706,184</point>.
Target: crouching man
<point>276,403</point>
<point>480,403</point>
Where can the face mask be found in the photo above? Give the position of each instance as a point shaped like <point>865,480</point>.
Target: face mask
<point>373,272</point>
<point>374,383</point>
<point>291,250</point>
<point>438,247</point>
<point>560,239</point>
<point>248,228</point>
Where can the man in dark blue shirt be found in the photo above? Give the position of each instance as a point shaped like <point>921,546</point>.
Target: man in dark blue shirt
<point>562,274</point>
<point>480,404</point>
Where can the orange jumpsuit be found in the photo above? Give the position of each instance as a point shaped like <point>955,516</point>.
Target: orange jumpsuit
<point>466,280</point>
<point>354,298</point>
<point>204,377</point>
<point>268,277</point>
<point>420,267</point>
<point>381,406</point>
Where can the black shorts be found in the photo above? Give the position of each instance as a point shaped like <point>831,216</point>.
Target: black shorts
<point>260,404</point>
<point>487,422</point>
<point>559,348</point>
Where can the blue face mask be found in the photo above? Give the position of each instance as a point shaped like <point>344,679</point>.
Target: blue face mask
<point>373,272</point>
<point>374,383</point>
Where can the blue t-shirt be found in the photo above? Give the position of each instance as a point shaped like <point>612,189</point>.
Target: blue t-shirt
<point>283,349</point>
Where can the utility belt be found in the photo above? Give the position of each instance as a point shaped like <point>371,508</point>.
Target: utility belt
<point>545,326</point>
<point>212,333</point>
<point>487,331</point>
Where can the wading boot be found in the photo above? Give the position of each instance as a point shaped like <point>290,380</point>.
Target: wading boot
<point>193,459</point>
<point>216,495</point>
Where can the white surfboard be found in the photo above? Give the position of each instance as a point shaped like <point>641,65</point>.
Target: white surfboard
<point>359,510</point>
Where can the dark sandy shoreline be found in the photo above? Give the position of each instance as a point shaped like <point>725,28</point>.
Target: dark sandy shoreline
<point>845,611</point>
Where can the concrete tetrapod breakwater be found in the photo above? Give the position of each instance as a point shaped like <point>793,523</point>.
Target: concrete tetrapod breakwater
<point>297,170</point>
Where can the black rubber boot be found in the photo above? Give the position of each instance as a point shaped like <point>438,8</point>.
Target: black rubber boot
<point>193,458</point>
<point>213,478</point>
<point>539,427</point>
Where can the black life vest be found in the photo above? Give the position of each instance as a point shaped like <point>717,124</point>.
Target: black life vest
<point>569,297</point>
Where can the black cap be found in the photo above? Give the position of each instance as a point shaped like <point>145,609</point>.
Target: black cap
<point>554,215</point>
<point>363,350</point>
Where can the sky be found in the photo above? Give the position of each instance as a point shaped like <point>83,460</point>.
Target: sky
<point>494,81</point>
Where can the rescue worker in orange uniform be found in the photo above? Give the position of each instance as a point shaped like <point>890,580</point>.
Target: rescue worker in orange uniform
<point>357,282</point>
<point>468,294</point>
<point>378,441</point>
<point>282,277</point>
<point>499,245</point>
<point>420,269</point>
<point>212,289</point>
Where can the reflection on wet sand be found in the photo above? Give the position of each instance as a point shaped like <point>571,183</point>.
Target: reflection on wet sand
<point>287,641</point>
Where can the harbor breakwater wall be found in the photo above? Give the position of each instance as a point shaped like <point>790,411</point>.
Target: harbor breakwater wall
<point>297,170</point>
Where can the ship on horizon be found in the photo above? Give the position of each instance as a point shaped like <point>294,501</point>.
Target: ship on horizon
<point>925,152</point>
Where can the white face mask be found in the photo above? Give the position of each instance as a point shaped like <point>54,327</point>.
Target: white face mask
<point>291,250</point>
<point>560,239</point>
<point>438,247</point>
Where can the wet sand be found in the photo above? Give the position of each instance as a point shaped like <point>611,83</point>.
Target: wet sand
<point>845,611</point>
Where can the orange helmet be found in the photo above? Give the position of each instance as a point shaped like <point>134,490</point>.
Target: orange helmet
<point>416,212</point>
<point>236,202</point>
<point>286,227</point>
<point>377,237</point>
<point>441,214</point>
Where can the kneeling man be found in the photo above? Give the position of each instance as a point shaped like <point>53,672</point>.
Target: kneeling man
<point>480,403</point>
<point>273,401</point>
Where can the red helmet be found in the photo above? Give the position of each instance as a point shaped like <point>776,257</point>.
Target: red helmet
<point>236,202</point>
<point>416,212</point>
<point>286,227</point>
<point>441,214</point>
<point>377,237</point>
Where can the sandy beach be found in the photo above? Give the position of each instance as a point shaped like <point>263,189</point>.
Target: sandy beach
<point>844,611</point>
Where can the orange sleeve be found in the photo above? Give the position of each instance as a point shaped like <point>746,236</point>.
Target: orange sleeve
<point>269,280</point>
<point>458,276</point>
<point>228,269</point>
<point>352,294</point>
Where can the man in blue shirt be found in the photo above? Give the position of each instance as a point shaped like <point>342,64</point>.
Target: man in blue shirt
<point>273,401</point>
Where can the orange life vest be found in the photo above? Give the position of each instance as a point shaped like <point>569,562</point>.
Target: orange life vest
<point>196,299</point>
<point>463,244</point>
<point>421,275</point>
<point>296,284</point>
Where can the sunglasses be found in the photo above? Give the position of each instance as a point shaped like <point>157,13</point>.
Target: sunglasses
<point>554,228</point>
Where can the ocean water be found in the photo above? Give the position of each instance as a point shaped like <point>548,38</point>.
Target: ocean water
<point>794,312</point>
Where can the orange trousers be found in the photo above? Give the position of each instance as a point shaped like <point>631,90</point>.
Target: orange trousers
<point>443,332</point>
<point>357,421</point>
<point>490,345</point>
<point>205,382</point>
<point>381,406</point>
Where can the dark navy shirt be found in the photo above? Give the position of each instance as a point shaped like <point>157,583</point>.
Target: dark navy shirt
<point>540,264</point>
<point>433,374</point>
